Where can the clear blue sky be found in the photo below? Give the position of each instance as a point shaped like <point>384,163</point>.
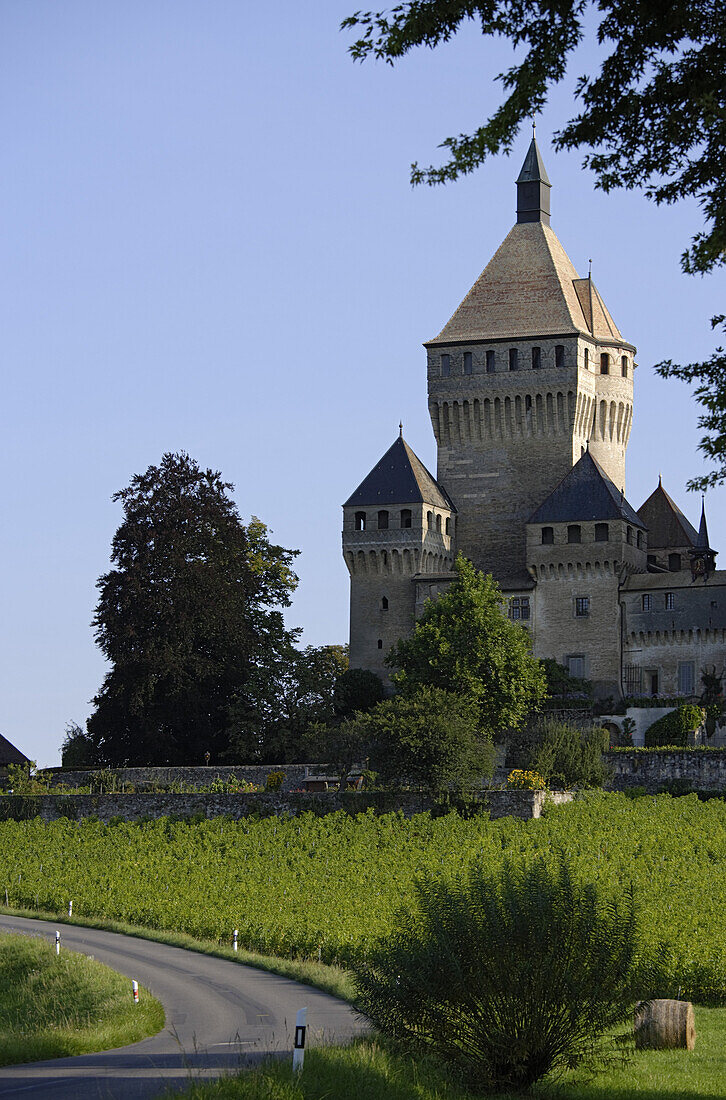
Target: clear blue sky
<point>209,243</point>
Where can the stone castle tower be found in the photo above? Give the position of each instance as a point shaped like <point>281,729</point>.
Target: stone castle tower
<point>529,371</point>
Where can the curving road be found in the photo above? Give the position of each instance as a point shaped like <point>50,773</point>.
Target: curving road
<point>220,1015</point>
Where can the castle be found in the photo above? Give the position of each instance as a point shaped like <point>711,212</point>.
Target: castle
<point>530,387</point>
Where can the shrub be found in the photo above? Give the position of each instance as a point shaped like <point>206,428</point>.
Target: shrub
<point>274,781</point>
<point>562,754</point>
<point>674,728</point>
<point>506,977</point>
<point>519,780</point>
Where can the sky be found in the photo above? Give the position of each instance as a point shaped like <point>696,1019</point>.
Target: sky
<point>209,243</point>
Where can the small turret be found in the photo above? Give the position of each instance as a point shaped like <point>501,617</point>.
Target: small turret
<point>703,558</point>
<point>533,188</point>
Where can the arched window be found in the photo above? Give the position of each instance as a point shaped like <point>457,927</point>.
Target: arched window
<point>429,519</point>
<point>548,536</point>
<point>383,521</point>
<point>467,362</point>
<point>384,603</point>
<point>448,526</point>
<point>602,533</point>
<point>639,539</point>
<point>438,523</point>
<point>513,359</point>
<point>405,517</point>
<point>574,533</point>
<point>629,535</point>
<point>380,643</point>
<point>587,359</point>
<point>624,366</point>
<point>604,363</point>
<point>360,521</point>
<point>559,355</point>
<point>536,358</point>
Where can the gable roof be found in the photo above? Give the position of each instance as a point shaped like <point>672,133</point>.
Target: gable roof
<point>399,477</point>
<point>9,754</point>
<point>585,493</point>
<point>667,526</point>
<point>529,288</point>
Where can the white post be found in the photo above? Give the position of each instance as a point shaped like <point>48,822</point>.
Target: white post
<point>234,939</point>
<point>135,990</point>
<point>7,903</point>
<point>57,943</point>
<point>70,908</point>
<point>298,1054</point>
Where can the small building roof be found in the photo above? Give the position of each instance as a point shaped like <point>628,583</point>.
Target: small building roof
<point>9,754</point>
<point>585,493</point>
<point>399,477</point>
<point>667,526</point>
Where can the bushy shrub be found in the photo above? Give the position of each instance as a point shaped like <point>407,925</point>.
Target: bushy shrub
<point>519,780</point>
<point>674,728</point>
<point>274,781</point>
<point>564,755</point>
<point>506,977</point>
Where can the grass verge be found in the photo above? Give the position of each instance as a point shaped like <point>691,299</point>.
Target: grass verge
<point>331,979</point>
<point>58,1005</point>
<point>370,1070</point>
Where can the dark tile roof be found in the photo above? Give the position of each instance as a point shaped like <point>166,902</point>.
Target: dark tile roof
<point>399,478</point>
<point>585,493</point>
<point>9,754</point>
<point>667,526</point>
<point>533,169</point>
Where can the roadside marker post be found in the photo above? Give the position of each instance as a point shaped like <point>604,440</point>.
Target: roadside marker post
<point>135,990</point>
<point>234,939</point>
<point>298,1053</point>
<point>70,908</point>
<point>57,942</point>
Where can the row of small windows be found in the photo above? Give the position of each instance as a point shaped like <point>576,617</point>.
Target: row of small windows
<point>675,563</point>
<point>404,517</point>
<point>515,361</point>
<point>602,534</point>
<point>669,601</point>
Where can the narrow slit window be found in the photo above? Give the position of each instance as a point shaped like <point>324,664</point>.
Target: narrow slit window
<point>429,519</point>
<point>548,536</point>
<point>587,359</point>
<point>467,362</point>
<point>405,517</point>
<point>445,366</point>
<point>536,358</point>
<point>624,366</point>
<point>604,363</point>
<point>513,359</point>
<point>559,355</point>
<point>447,527</point>
<point>574,533</point>
<point>438,523</point>
<point>647,602</point>
<point>602,532</point>
<point>360,521</point>
<point>384,603</point>
<point>629,536</point>
<point>670,601</point>
<point>380,643</point>
<point>383,521</point>
<point>491,362</point>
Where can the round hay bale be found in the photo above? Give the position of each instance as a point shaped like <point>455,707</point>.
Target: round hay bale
<point>664,1025</point>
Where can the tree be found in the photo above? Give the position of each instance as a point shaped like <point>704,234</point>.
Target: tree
<point>651,116</point>
<point>358,689</point>
<point>189,613</point>
<point>78,750</point>
<point>465,644</point>
<point>429,738</point>
<point>507,977</point>
<point>294,691</point>
<point>340,747</point>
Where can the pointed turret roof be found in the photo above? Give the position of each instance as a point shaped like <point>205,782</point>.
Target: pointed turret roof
<point>667,526</point>
<point>585,493</point>
<point>9,754</point>
<point>530,287</point>
<point>399,477</point>
<point>702,542</point>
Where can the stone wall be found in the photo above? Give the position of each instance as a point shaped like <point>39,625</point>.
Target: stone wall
<point>134,807</point>
<point>702,769</point>
<point>197,778</point>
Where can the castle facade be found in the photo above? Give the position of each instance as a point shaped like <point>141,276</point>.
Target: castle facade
<point>530,387</point>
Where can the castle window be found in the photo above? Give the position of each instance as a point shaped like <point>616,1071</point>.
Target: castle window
<point>513,359</point>
<point>576,665</point>
<point>674,563</point>
<point>670,601</point>
<point>536,358</point>
<point>445,366</point>
<point>559,355</point>
<point>467,362</point>
<point>384,603</point>
<point>383,521</point>
<point>380,643</point>
<point>491,359</point>
<point>360,521</point>
<point>574,533</point>
<point>646,602</point>
<point>405,517</point>
<point>639,540</point>
<point>582,607</point>
<point>429,519</point>
<point>519,607</point>
<point>604,363</point>
<point>438,523</point>
<point>587,359</point>
<point>629,536</point>
<point>548,536</point>
<point>624,366</point>
<point>602,533</point>
<point>686,677</point>
<point>652,559</point>
<point>447,527</point>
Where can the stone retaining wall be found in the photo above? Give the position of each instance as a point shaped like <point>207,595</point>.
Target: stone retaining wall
<point>193,776</point>
<point>703,769</point>
<point>135,807</point>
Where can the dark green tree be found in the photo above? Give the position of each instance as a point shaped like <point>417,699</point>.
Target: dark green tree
<point>358,689</point>
<point>429,738</point>
<point>651,115</point>
<point>189,612</point>
<point>465,644</point>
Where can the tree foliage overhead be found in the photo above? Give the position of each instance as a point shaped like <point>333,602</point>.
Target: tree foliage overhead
<point>464,643</point>
<point>188,613</point>
<point>652,116</point>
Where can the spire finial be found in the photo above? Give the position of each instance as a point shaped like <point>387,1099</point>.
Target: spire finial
<point>660,481</point>
<point>534,127</point>
<point>400,429</point>
<point>589,269</point>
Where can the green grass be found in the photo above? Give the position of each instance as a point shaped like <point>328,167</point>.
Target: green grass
<point>52,1006</point>
<point>369,1070</point>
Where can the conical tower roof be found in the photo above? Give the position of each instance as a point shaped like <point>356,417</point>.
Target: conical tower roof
<point>702,542</point>
<point>585,493</point>
<point>667,526</point>
<point>399,477</point>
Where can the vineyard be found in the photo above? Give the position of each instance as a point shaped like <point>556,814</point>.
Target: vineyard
<point>326,886</point>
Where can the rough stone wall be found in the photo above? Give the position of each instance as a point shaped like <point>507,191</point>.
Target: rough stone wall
<point>703,769</point>
<point>194,777</point>
<point>105,807</point>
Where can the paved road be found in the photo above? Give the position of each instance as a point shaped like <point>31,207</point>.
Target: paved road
<point>219,1015</point>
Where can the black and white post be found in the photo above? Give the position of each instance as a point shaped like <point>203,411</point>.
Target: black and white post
<point>57,942</point>
<point>135,990</point>
<point>235,936</point>
<point>298,1053</point>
